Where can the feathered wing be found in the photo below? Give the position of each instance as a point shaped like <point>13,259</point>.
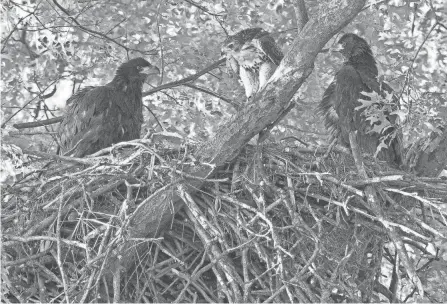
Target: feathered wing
<point>75,122</point>
<point>97,118</point>
<point>249,80</point>
<point>326,108</point>
<point>249,34</point>
<point>271,57</point>
<point>268,46</point>
<point>232,66</point>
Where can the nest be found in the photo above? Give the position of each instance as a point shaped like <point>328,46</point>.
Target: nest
<point>278,224</point>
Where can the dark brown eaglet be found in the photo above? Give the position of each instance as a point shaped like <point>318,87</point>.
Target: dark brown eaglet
<point>98,117</point>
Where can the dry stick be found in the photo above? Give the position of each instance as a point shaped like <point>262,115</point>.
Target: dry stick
<point>76,160</point>
<point>418,221</point>
<point>59,249</point>
<point>373,202</point>
<point>48,272</point>
<point>116,285</point>
<point>205,230</point>
<point>247,283</point>
<point>25,239</point>
<point>39,123</point>
<point>25,260</point>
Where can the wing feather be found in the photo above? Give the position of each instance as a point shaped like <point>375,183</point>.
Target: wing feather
<point>91,121</point>
<point>326,108</point>
<point>267,45</point>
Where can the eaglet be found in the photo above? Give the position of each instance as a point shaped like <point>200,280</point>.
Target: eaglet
<point>98,117</point>
<point>343,110</point>
<point>253,55</point>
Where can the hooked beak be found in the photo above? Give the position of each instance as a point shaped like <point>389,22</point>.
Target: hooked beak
<point>337,48</point>
<point>223,53</point>
<point>150,74</point>
<point>150,70</point>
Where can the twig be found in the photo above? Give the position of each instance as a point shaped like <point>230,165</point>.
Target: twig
<point>407,77</point>
<point>186,79</point>
<point>212,94</point>
<point>25,260</point>
<point>31,133</point>
<point>26,104</point>
<point>204,9</point>
<point>93,32</point>
<point>83,161</point>
<point>59,249</point>
<point>156,119</point>
<point>376,180</point>
<point>162,69</point>
<point>14,239</point>
<point>4,42</point>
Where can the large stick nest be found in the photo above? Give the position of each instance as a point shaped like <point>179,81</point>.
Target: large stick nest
<point>279,223</point>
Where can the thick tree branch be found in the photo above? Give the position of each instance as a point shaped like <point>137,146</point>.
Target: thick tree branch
<point>301,14</point>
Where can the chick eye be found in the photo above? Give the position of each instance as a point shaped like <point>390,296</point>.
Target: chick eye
<point>230,45</point>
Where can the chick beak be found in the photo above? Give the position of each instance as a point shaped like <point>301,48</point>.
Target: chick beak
<point>150,74</point>
<point>223,54</point>
<point>150,70</point>
<point>337,48</point>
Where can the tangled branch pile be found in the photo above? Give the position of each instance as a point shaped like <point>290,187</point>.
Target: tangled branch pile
<point>280,223</point>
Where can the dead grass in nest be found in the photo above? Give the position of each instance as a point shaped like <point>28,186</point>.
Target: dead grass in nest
<point>278,224</point>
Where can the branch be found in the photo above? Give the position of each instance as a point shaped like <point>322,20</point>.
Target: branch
<point>204,9</point>
<point>39,123</point>
<point>212,94</point>
<point>187,79</point>
<point>301,14</point>
<point>4,42</point>
<point>93,32</point>
<point>28,102</point>
<point>82,161</point>
<point>33,55</point>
